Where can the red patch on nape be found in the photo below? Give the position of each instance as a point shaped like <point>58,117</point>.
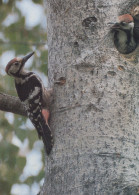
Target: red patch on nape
<point>125,18</point>
<point>9,64</point>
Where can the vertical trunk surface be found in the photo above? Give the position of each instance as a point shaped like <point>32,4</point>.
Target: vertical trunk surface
<point>95,114</point>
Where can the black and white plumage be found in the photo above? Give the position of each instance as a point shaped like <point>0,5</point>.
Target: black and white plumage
<point>124,37</point>
<point>31,91</point>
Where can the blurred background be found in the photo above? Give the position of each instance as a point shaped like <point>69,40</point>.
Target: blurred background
<point>22,30</point>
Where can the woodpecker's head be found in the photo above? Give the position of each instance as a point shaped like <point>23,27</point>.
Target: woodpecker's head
<point>125,23</point>
<point>15,66</point>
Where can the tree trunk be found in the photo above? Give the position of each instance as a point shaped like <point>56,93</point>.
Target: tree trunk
<point>95,115</point>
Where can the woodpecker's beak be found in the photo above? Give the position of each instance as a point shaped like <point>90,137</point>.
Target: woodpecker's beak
<point>24,59</point>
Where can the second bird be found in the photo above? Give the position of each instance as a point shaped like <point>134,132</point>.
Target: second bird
<point>124,38</point>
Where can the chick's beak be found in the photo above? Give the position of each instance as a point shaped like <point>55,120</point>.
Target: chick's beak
<point>115,26</point>
<point>25,58</point>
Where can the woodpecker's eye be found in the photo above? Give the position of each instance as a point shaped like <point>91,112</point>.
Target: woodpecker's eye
<point>16,63</point>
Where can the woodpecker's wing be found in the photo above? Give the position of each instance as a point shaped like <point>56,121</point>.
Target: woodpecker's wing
<point>35,114</point>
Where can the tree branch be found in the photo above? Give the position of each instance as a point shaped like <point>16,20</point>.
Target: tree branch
<point>12,104</point>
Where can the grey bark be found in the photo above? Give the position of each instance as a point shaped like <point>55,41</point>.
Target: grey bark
<point>12,104</point>
<point>95,114</point>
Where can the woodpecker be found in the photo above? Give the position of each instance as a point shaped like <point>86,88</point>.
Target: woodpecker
<point>32,92</point>
<point>124,38</point>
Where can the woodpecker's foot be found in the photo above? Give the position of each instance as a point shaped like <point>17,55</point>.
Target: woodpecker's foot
<point>50,92</point>
<point>46,115</point>
<point>47,98</point>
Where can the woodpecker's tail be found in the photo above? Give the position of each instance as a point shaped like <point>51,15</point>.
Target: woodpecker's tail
<point>46,136</point>
<point>44,131</point>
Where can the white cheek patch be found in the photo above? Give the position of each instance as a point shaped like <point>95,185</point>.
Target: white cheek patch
<point>13,69</point>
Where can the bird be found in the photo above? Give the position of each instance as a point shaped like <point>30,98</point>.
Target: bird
<point>33,94</point>
<point>124,37</point>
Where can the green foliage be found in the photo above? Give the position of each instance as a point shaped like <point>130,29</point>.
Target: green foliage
<point>30,180</point>
<point>38,1</point>
<point>20,39</point>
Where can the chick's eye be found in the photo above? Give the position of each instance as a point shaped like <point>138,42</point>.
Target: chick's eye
<point>123,23</point>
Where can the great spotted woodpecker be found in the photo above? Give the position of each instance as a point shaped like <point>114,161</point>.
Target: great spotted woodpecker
<point>32,92</point>
<point>124,38</point>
